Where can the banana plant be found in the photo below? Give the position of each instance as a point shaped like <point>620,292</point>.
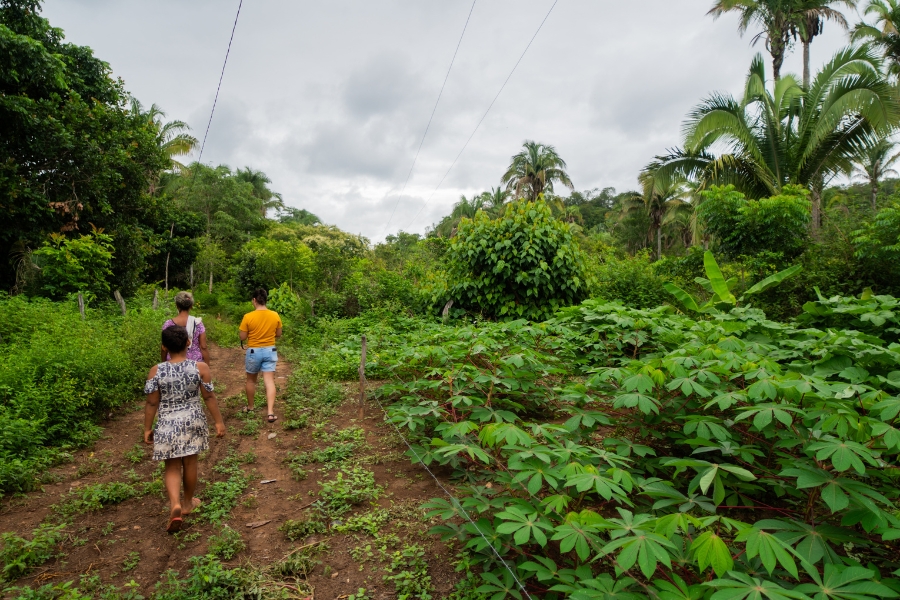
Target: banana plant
<point>720,288</point>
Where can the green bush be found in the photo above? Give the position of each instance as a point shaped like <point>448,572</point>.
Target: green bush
<point>71,265</point>
<point>60,374</point>
<point>631,280</point>
<point>523,264</point>
<point>18,555</point>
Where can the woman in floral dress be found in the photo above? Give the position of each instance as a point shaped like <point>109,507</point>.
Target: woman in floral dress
<point>197,349</point>
<point>173,391</point>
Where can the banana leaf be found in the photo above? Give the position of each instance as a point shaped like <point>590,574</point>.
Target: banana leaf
<point>716,279</point>
<point>686,299</point>
<point>773,280</point>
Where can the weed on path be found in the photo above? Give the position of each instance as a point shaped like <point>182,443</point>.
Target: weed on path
<point>339,512</point>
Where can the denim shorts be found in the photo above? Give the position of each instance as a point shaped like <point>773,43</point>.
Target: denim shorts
<point>261,359</point>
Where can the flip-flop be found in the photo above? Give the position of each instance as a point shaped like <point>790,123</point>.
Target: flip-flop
<point>272,418</point>
<point>174,525</point>
<point>246,409</point>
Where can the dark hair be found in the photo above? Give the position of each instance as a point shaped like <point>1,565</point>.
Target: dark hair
<point>175,338</point>
<point>184,301</point>
<point>261,296</point>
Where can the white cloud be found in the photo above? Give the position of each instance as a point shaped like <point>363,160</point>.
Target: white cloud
<point>331,99</point>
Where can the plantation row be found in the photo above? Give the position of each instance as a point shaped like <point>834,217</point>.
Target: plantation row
<point>614,452</point>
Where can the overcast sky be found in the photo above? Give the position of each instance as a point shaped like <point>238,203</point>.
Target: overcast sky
<point>331,99</point>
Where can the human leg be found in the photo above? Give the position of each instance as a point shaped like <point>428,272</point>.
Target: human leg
<point>189,502</point>
<point>172,478</point>
<point>251,388</point>
<point>269,381</point>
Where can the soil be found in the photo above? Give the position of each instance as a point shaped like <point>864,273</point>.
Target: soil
<point>99,542</point>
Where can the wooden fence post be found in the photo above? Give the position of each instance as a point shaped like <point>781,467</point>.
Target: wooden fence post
<point>120,300</point>
<point>155,298</point>
<point>362,379</point>
<point>81,305</point>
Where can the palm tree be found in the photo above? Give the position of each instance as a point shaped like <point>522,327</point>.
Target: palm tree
<point>808,19</point>
<point>775,17</point>
<point>260,182</point>
<point>885,34</point>
<point>662,196</point>
<point>494,200</point>
<point>873,163</point>
<point>787,134</point>
<point>171,137</point>
<point>464,209</point>
<point>535,169</point>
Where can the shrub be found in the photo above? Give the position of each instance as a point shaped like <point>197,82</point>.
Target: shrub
<point>60,374</point>
<point>631,280</point>
<point>70,265</point>
<point>18,555</point>
<point>523,264</point>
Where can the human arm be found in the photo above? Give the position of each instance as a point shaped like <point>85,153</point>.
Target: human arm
<point>209,396</point>
<point>244,329</point>
<point>204,348</point>
<point>152,405</point>
<point>278,332</point>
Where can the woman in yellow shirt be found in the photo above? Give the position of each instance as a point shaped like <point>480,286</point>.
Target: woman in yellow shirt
<point>260,328</point>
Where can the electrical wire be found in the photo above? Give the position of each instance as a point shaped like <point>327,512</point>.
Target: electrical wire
<point>433,110</point>
<point>221,76</point>
<point>480,121</point>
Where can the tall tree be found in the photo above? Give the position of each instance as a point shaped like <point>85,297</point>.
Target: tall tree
<point>70,151</point>
<point>774,16</point>
<point>260,182</point>
<point>885,33</point>
<point>465,208</point>
<point>172,137</point>
<point>534,170</point>
<point>808,19</point>
<point>873,163</point>
<point>662,196</point>
<point>785,134</point>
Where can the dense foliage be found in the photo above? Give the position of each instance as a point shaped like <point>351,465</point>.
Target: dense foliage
<point>524,263</point>
<point>650,454</point>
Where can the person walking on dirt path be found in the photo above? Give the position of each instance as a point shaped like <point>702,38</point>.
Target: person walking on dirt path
<point>173,391</point>
<point>197,350</point>
<point>260,328</point>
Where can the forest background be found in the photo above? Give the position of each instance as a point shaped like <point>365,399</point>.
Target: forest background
<point>739,232</point>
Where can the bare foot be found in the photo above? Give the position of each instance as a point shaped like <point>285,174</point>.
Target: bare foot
<point>195,504</point>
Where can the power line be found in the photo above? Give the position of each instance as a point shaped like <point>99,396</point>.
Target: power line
<point>221,76</point>
<point>433,110</point>
<point>480,121</point>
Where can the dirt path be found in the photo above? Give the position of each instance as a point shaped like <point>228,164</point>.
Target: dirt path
<point>103,542</point>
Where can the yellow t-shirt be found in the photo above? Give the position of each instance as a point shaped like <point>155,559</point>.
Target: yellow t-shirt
<point>260,326</point>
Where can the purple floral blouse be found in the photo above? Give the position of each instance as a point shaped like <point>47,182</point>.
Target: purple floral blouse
<point>193,352</point>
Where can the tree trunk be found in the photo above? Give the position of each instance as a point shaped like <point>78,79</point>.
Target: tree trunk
<point>210,279</point>
<point>875,196</point>
<point>816,221</point>
<point>806,65</point>
<point>169,253</point>
<point>658,243</point>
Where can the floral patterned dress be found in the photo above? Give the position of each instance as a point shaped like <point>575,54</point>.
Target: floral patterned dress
<point>181,427</point>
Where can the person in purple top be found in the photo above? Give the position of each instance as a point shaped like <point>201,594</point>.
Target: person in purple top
<point>197,349</point>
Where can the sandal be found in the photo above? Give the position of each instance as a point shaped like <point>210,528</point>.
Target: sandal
<point>175,522</point>
<point>246,410</point>
<point>272,418</point>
